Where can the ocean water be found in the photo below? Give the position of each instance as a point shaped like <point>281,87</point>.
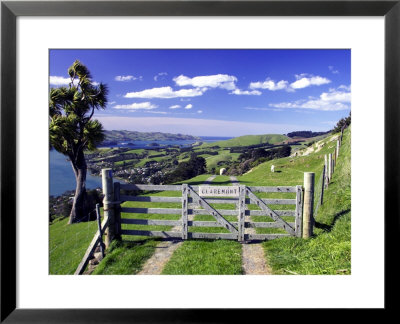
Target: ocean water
<point>147,144</point>
<point>62,177</point>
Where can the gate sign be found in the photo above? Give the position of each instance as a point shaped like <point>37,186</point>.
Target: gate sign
<point>219,191</point>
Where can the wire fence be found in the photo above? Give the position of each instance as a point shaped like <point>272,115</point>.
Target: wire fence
<point>324,177</point>
<point>68,243</point>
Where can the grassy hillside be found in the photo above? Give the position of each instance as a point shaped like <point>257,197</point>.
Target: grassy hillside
<point>68,244</point>
<point>249,140</point>
<point>329,251</point>
<point>124,135</point>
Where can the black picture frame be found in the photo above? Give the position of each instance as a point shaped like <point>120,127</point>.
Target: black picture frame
<point>10,10</point>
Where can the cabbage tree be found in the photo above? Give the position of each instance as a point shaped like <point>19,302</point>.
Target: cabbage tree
<point>73,130</point>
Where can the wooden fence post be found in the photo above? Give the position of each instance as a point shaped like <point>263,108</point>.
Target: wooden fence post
<point>99,229</point>
<point>333,160</point>
<point>326,171</point>
<point>184,211</point>
<point>323,186</point>
<point>108,188</point>
<point>337,148</point>
<point>241,216</point>
<point>117,210</point>
<point>329,167</point>
<point>299,212</point>
<point>308,217</point>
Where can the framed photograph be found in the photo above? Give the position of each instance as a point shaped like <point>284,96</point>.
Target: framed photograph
<point>263,96</point>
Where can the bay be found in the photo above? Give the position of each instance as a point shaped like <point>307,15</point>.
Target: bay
<point>62,177</point>
<point>182,143</point>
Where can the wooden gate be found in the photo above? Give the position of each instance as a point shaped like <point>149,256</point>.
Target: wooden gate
<point>248,207</point>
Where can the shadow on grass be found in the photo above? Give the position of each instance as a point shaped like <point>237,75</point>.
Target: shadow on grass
<point>328,228</point>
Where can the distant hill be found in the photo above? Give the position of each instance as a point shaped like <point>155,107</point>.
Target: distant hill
<point>305,134</point>
<point>247,140</point>
<point>130,136</point>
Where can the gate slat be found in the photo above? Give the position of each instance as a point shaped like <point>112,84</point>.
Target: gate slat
<point>246,224</point>
<point>151,187</point>
<point>273,189</point>
<point>270,212</point>
<point>164,234</point>
<point>174,211</point>
<point>213,236</point>
<point>264,236</point>
<point>150,199</point>
<point>275,201</point>
<point>201,202</point>
<point>278,212</point>
<point>265,224</point>
<point>135,221</point>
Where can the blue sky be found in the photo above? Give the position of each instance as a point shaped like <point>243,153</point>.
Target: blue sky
<point>216,92</point>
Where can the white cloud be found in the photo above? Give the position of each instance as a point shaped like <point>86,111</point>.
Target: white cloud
<point>160,76</point>
<point>125,78</point>
<point>269,84</point>
<point>140,105</point>
<point>327,101</point>
<point>263,109</point>
<point>332,69</point>
<point>344,87</point>
<point>246,92</point>
<point>189,106</point>
<point>60,81</point>
<point>175,107</point>
<point>304,81</point>
<point>199,111</point>
<point>165,92</point>
<point>223,81</point>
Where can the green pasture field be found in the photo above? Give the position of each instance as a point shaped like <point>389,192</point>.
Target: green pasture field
<point>327,252</point>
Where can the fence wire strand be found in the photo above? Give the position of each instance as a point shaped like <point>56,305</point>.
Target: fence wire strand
<point>70,245</point>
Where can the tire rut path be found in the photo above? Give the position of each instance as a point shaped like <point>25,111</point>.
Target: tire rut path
<point>156,263</point>
<point>253,258</point>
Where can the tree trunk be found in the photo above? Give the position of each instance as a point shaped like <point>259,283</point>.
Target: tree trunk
<point>79,211</point>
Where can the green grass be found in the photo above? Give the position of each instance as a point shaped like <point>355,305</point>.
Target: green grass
<point>158,159</point>
<point>126,257</point>
<point>206,258</point>
<point>68,244</point>
<point>126,162</point>
<point>329,250</point>
<point>137,151</point>
<point>248,140</point>
<point>223,156</point>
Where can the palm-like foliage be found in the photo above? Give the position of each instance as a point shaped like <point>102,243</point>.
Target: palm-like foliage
<point>72,129</point>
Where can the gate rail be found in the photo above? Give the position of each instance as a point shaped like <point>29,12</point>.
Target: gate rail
<point>193,204</point>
